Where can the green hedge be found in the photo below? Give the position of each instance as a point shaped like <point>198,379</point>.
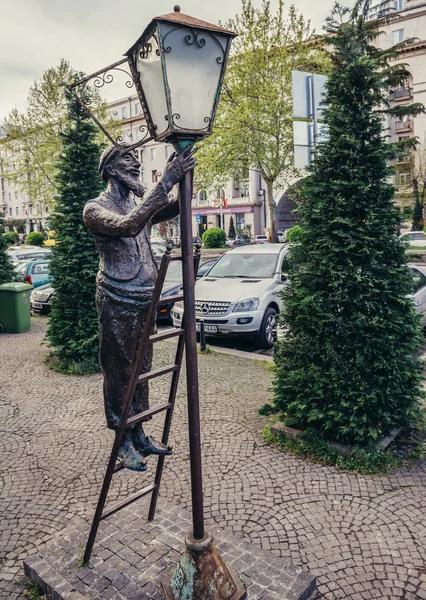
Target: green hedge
<point>35,238</point>
<point>214,238</point>
<point>11,237</point>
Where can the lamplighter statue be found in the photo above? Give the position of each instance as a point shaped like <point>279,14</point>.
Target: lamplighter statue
<point>121,226</point>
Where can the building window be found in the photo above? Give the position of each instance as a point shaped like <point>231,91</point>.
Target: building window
<point>140,156</point>
<point>168,151</point>
<point>153,153</point>
<point>17,211</point>
<point>397,36</point>
<point>154,176</point>
<point>31,210</point>
<point>10,211</point>
<point>124,112</point>
<point>16,195</point>
<point>239,218</point>
<point>10,197</point>
<point>397,4</point>
<point>202,198</point>
<point>137,108</point>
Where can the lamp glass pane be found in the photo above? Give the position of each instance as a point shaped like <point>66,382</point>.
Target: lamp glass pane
<point>148,64</point>
<point>194,61</point>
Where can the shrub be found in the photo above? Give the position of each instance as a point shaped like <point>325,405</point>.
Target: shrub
<point>35,238</point>
<point>214,238</point>
<point>7,272</point>
<point>11,237</point>
<point>294,234</point>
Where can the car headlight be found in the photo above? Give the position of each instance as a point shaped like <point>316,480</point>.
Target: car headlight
<point>173,292</point>
<point>250,304</point>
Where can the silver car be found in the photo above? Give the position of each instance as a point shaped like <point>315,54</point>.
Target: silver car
<point>240,295</point>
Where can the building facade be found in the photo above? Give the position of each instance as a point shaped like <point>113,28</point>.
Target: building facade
<point>244,200</point>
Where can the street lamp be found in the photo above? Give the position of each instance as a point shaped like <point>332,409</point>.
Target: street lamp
<point>177,67</point>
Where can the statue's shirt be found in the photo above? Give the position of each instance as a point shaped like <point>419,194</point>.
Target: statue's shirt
<point>121,229</point>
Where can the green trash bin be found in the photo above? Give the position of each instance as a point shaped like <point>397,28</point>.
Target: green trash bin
<point>15,316</point>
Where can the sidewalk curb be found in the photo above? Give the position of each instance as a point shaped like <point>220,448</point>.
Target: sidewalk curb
<point>241,353</point>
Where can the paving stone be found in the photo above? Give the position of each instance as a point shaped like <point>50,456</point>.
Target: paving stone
<point>54,447</point>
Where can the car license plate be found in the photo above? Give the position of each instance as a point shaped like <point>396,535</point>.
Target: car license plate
<point>208,328</point>
<point>36,304</point>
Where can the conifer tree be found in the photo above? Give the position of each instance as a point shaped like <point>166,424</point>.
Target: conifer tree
<point>346,366</point>
<point>73,325</point>
<point>231,230</point>
<point>7,272</point>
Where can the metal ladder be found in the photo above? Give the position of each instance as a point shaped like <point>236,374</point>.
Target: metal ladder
<point>148,337</point>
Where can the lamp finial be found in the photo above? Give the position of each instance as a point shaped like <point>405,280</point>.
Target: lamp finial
<point>177,8</point>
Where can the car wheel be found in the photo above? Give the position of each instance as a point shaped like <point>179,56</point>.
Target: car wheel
<point>266,336</point>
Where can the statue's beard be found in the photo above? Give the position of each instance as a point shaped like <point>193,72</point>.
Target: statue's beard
<point>133,184</point>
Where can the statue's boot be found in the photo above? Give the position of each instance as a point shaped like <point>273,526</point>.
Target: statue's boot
<point>146,444</point>
<point>129,457</point>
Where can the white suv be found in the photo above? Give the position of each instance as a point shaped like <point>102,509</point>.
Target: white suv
<point>240,295</point>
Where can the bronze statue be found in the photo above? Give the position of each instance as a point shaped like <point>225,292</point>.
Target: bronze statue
<point>121,227</point>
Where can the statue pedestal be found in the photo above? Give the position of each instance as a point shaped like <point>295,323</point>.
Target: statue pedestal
<point>137,560</point>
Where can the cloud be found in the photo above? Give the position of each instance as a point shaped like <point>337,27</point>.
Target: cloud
<point>91,34</point>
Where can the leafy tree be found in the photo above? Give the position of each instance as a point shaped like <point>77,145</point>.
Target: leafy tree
<point>35,238</point>
<point>346,365</point>
<point>73,325</point>
<point>253,126</point>
<point>214,238</point>
<point>7,272</point>
<point>231,230</point>
<point>32,138</point>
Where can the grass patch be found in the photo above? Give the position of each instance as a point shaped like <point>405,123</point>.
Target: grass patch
<point>208,350</point>
<point>81,562</point>
<point>54,363</point>
<point>33,592</point>
<point>318,450</point>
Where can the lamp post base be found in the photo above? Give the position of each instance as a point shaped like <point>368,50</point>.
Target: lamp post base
<point>202,575</point>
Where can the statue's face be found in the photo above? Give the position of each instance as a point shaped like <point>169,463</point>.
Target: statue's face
<point>126,168</point>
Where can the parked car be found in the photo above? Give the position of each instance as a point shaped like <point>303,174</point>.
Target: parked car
<point>240,295</point>
<point>173,286</point>
<point>281,236</point>
<point>28,253</point>
<point>239,241</point>
<point>261,239</point>
<point>34,272</point>
<point>419,290</point>
<point>41,299</point>
<point>414,238</point>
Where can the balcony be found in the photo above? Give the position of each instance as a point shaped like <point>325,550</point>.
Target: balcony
<point>399,94</point>
<point>403,125</point>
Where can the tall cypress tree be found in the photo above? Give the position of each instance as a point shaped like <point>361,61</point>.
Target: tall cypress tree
<point>231,230</point>
<point>346,364</point>
<point>73,325</point>
<point>7,272</point>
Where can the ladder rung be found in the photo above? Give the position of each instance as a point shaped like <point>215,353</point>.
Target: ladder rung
<point>170,299</point>
<point>147,413</point>
<point>165,335</point>
<point>128,501</point>
<point>157,372</point>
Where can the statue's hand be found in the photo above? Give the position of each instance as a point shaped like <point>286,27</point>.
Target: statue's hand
<point>177,166</point>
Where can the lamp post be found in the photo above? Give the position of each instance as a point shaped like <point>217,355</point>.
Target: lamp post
<point>177,66</point>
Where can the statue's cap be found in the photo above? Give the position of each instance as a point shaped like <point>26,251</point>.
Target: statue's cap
<point>107,157</point>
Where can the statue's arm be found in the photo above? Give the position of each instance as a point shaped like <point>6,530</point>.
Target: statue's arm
<point>167,213</point>
<point>103,221</point>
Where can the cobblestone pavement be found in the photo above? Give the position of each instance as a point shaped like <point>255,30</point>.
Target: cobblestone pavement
<point>362,536</point>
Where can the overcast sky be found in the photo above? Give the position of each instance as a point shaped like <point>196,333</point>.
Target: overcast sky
<point>90,34</point>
